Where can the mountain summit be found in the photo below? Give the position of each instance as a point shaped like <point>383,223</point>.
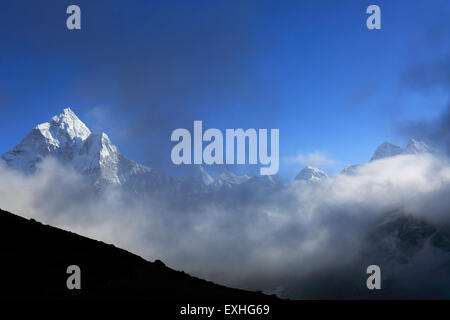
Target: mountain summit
<point>388,149</point>
<point>66,138</point>
<point>417,147</point>
<point>310,174</point>
<point>229,179</point>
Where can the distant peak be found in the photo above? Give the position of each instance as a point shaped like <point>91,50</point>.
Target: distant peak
<point>416,147</point>
<point>68,111</point>
<point>226,176</point>
<point>68,121</point>
<point>311,168</point>
<point>414,142</point>
<point>350,170</point>
<point>227,173</point>
<point>66,114</point>
<point>105,137</point>
<point>198,173</point>
<point>387,143</point>
<point>310,173</point>
<point>386,150</point>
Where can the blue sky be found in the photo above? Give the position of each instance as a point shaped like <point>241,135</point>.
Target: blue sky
<point>140,69</point>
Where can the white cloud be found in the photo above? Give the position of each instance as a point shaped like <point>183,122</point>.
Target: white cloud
<point>253,239</point>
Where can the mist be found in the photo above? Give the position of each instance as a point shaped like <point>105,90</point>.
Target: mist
<point>293,239</point>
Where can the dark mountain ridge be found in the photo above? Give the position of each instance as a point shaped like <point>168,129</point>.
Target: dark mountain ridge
<point>35,258</point>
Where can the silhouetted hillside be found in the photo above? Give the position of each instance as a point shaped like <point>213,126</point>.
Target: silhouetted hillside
<point>35,257</point>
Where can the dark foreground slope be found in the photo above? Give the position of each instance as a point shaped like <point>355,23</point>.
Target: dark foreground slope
<point>35,257</point>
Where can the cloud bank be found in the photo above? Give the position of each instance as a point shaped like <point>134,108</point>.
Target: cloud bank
<point>299,241</point>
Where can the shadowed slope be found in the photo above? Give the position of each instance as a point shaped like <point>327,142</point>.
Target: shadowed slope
<point>35,258</point>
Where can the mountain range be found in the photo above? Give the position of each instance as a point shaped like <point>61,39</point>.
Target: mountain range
<point>397,237</point>
<point>66,138</point>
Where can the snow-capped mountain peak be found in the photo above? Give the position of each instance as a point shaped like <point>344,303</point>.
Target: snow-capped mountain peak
<point>386,150</point>
<point>311,174</point>
<point>66,123</point>
<point>62,137</point>
<point>198,175</point>
<point>229,178</point>
<point>204,176</point>
<point>350,170</point>
<point>66,138</point>
<point>417,147</point>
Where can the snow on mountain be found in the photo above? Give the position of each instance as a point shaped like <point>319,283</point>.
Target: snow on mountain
<point>262,183</point>
<point>386,150</point>
<point>62,138</point>
<point>350,170</point>
<point>229,179</point>
<point>66,138</point>
<point>417,147</point>
<point>197,174</point>
<point>310,174</point>
<point>196,181</point>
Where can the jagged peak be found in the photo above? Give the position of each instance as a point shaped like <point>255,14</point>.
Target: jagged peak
<point>226,176</point>
<point>199,174</point>
<point>385,150</point>
<point>310,173</point>
<point>68,122</point>
<point>350,170</point>
<point>387,144</point>
<point>416,147</point>
<point>105,137</point>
